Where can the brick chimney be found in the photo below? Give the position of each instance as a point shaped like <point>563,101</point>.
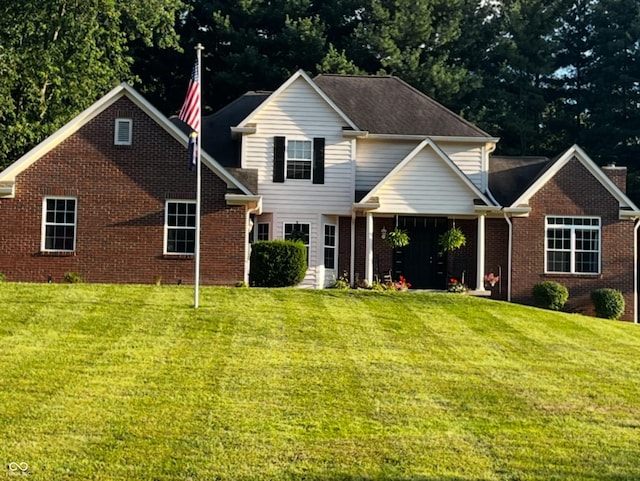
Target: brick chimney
<point>617,174</point>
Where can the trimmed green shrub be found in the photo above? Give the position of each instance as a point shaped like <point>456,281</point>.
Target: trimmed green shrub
<point>550,295</point>
<point>3,277</point>
<point>72,277</point>
<point>278,263</point>
<point>609,303</point>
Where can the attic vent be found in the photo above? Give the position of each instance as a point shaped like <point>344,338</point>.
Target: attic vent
<point>123,132</point>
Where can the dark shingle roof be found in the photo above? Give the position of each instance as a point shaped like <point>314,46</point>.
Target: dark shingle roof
<point>387,105</point>
<point>509,176</point>
<point>216,133</point>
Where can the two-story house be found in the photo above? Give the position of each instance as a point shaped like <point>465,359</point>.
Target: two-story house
<point>341,159</point>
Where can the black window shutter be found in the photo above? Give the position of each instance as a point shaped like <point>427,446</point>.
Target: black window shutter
<point>278,159</point>
<point>318,160</point>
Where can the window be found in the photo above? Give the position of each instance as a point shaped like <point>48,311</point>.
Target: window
<point>299,159</point>
<point>298,232</point>
<point>59,226</point>
<point>573,245</point>
<point>329,246</point>
<point>259,232</point>
<point>180,227</point>
<point>123,132</point>
<point>262,234</point>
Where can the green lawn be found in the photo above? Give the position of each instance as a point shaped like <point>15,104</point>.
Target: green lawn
<point>131,383</point>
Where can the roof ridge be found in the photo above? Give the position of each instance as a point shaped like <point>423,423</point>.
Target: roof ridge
<point>442,107</point>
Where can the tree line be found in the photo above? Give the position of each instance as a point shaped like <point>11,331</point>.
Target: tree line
<point>540,74</point>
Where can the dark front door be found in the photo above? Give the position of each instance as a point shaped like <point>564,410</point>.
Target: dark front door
<point>420,262</point>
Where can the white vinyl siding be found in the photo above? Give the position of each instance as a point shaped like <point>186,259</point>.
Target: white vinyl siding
<point>300,113</point>
<point>376,158</point>
<point>468,158</point>
<point>123,132</point>
<point>426,185</point>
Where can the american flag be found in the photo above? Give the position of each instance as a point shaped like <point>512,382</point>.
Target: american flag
<point>190,111</point>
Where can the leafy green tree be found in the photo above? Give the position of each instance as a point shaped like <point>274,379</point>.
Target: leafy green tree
<point>57,57</point>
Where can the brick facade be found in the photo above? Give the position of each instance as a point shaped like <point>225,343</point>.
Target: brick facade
<point>573,191</point>
<point>121,193</point>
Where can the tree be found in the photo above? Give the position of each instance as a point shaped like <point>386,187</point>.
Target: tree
<point>413,40</point>
<point>57,57</point>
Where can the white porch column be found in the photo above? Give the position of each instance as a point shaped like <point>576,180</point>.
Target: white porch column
<point>368,267</point>
<point>480,254</point>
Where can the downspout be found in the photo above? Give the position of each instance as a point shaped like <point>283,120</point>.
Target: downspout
<point>635,271</point>
<point>509,250</point>
<point>352,260</point>
<point>510,241</point>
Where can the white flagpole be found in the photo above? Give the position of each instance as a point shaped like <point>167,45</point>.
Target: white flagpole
<point>196,283</point>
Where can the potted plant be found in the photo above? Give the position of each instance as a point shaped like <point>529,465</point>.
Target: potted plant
<point>397,238</point>
<point>452,239</point>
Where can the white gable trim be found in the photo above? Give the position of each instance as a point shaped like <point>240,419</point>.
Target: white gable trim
<point>445,158</point>
<point>299,74</point>
<point>123,90</point>
<point>580,155</point>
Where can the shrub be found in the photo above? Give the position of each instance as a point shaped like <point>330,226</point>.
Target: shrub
<point>278,263</point>
<point>550,295</point>
<point>608,303</point>
<point>3,277</point>
<point>72,277</point>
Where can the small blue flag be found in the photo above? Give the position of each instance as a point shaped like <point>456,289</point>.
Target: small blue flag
<point>193,150</point>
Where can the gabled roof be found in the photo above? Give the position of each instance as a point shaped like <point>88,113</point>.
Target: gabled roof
<point>509,176</point>
<point>553,167</point>
<point>216,137</point>
<point>7,177</point>
<point>447,161</point>
<point>387,105</point>
<point>300,74</point>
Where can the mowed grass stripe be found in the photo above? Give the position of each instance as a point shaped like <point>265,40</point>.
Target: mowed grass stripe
<point>290,384</point>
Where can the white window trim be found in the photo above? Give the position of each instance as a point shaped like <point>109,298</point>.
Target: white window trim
<point>572,228</point>
<point>334,246</point>
<point>43,233</point>
<point>287,159</point>
<point>116,131</point>
<point>166,226</point>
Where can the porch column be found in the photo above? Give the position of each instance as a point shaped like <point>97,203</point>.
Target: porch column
<point>368,267</point>
<point>480,254</point>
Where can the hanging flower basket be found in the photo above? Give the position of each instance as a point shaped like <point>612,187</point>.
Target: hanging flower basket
<point>397,238</point>
<point>451,240</point>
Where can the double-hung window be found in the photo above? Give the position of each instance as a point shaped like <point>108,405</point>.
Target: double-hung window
<point>329,246</point>
<point>299,159</point>
<point>298,232</point>
<point>572,245</point>
<point>59,226</point>
<point>180,227</point>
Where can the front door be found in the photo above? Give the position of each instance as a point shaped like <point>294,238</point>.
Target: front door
<point>420,262</point>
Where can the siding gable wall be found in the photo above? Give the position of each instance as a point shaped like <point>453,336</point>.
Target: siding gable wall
<point>377,157</point>
<point>426,185</point>
<point>299,113</point>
